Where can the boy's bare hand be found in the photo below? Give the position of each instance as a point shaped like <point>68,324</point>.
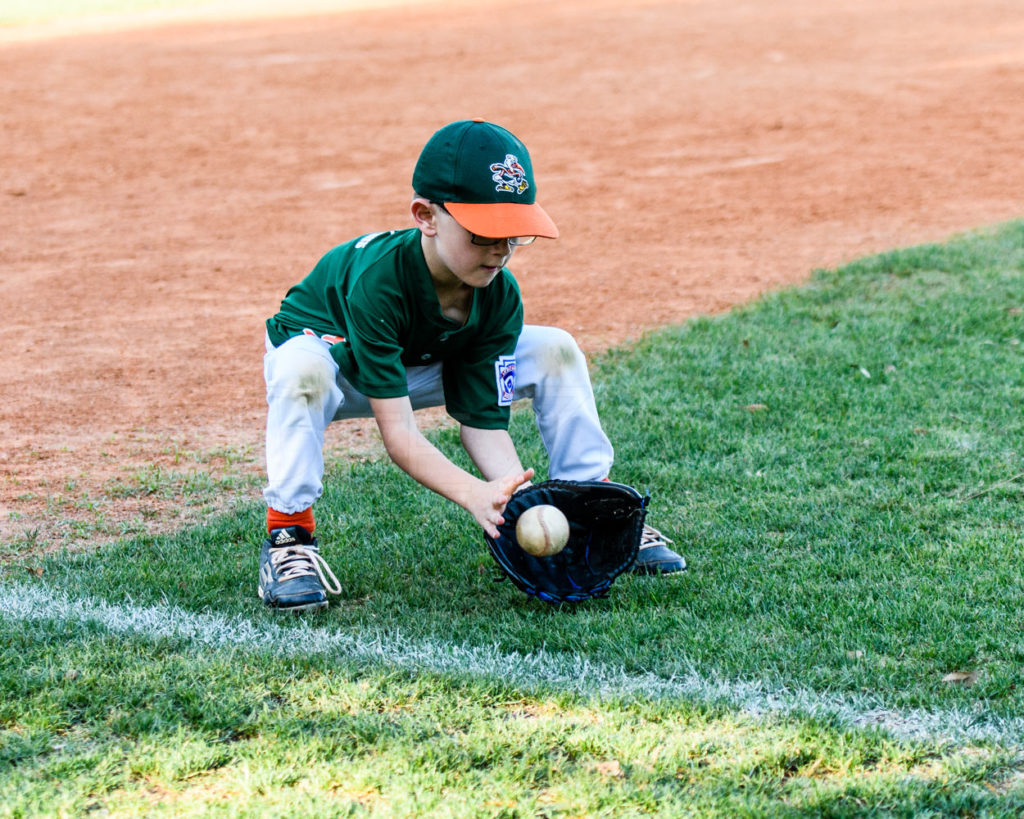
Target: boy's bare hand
<point>489,503</point>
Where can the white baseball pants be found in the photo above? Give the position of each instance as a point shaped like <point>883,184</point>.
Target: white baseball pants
<point>306,392</point>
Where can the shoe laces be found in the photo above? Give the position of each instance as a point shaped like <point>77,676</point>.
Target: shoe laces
<point>290,562</point>
<point>651,537</point>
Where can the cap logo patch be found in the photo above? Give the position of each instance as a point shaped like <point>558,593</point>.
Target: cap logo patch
<point>510,175</point>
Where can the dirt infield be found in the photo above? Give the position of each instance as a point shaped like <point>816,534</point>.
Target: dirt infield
<point>160,188</point>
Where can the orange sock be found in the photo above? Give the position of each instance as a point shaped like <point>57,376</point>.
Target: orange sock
<point>279,520</point>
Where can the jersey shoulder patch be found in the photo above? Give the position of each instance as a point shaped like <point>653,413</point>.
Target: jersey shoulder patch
<point>505,375</point>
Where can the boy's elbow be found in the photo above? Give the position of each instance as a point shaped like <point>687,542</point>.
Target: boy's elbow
<point>402,442</point>
<point>397,442</point>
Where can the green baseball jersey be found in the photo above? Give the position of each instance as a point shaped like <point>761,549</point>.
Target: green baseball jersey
<point>374,298</point>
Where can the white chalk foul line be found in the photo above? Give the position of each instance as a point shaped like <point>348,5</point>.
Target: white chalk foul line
<point>569,672</point>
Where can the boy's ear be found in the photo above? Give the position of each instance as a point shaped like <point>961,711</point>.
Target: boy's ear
<point>424,216</point>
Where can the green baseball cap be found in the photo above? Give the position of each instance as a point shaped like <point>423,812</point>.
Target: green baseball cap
<point>483,175</point>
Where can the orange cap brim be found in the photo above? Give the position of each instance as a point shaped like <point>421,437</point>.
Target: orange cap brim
<point>500,220</point>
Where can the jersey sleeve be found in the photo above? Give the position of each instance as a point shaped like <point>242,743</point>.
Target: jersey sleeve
<point>479,385</point>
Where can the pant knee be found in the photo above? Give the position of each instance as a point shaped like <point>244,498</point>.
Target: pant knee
<point>556,354</point>
<point>301,377</point>
<point>311,382</point>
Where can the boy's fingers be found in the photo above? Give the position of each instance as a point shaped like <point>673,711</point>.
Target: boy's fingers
<point>519,479</point>
<point>507,487</point>
<point>491,525</point>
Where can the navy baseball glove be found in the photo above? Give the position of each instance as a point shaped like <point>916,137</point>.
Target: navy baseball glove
<point>605,523</point>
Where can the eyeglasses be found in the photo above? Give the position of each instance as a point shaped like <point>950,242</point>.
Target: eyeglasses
<point>487,241</point>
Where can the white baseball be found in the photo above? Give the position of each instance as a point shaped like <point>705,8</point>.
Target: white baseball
<point>542,530</point>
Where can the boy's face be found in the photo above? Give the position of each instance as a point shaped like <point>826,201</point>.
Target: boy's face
<point>450,250</point>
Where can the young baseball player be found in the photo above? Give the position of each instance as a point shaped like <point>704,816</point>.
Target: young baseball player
<point>427,316</point>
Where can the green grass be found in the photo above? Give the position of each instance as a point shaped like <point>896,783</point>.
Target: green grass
<point>841,465</point>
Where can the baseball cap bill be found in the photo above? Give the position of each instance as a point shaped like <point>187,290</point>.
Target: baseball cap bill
<point>483,175</point>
